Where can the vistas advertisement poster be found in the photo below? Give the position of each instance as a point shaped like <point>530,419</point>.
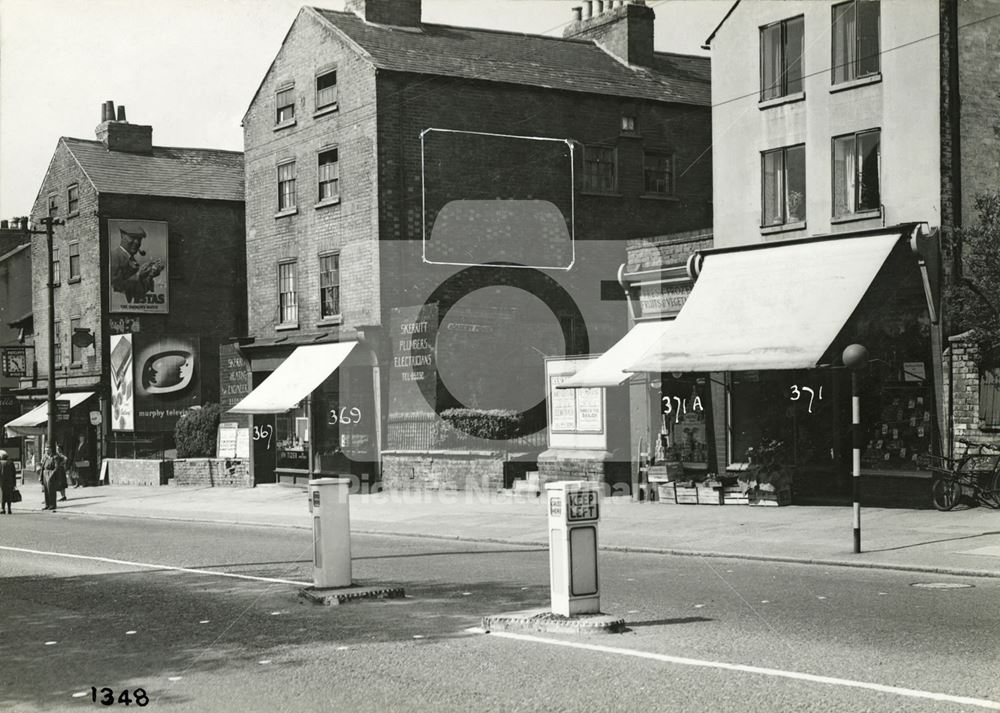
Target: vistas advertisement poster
<point>137,266</point>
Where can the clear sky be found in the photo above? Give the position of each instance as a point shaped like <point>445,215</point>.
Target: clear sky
<point>189,68</point>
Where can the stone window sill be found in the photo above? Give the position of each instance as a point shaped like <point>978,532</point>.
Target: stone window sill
<point>852,217</point>
<point>286,327</point>
<point>659,197</point>
<point>778,101</point>
<point>600,194</point>
<point>783,228</point>
<point>74,214</point>
<point>327,202</point>
<point>73,280</point>
<point>285,213</point>
<point>855,83</point>
<point>333,321</point>
<point>324,110</point>
<point>284,125</point>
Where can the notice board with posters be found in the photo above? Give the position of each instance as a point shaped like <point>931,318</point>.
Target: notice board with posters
<point>576,417</point>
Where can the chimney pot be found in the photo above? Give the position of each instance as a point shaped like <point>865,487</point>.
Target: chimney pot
<point>104,112</point>
<point>589,6</point>
<point>3,225</point>
<point>577,13</point>
<point>121,112</point>
<point>109,107</point>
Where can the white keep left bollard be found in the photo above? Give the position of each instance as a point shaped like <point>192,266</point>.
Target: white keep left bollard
<point>574,511</point>
<point>330,508</point>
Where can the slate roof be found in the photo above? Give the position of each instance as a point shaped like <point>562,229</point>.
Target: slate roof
<point>207,174</point>
<point>536,60</point>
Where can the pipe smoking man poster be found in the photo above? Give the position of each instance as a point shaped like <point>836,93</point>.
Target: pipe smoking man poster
<point>137,266</point>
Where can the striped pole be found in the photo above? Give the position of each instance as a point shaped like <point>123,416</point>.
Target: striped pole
<point>856,437</point>
<point>856,357</point>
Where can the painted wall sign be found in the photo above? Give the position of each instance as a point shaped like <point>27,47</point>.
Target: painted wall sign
<point>806,392</point>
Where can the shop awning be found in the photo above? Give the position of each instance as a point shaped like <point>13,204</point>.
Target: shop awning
<point>35,421</point>
<point>608,369</point>
<point>774,307</point>
<point>298,376</point>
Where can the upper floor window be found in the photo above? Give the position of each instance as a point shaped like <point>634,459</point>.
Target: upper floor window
<point>629,123</point>
<point>56,267</point>
<point>855,40</point>
<point>783,182</point>
<point>856,170</point>
<point>74,261</point>
<point>73,200</point>
<point>781,58</point>
<point>658,173</point>
<point>599,169</point>
<point>53,205</point>
<point>329,174</point>
<point>288,303</point>
<point>284,102</point>
<point>286,186</point>
<point>326,89</point>
<point>329,285</point>
<point>57,344</point>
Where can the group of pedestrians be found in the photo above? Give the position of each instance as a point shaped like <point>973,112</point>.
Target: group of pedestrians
<point>53,477</point>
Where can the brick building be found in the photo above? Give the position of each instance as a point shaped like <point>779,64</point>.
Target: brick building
<point>16,330</point>
<point>850,139</point>
<point>148,265</point>
<point>372,145</point>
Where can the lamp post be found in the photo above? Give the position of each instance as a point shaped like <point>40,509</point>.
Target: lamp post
<point>855,357</point>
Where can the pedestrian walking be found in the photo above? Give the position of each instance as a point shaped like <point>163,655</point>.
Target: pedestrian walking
<point>49,477</point>
<point>8,483</point>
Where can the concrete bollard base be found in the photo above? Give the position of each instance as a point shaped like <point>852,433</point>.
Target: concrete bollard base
<point>535,620</point>
<point>345,595</point>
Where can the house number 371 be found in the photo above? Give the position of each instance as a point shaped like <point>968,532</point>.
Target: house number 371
<point>799,391</point>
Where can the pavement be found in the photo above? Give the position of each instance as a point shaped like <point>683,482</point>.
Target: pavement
<point>961,542</point>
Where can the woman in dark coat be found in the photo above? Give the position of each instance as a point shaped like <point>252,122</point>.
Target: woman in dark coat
<point>8,479</point>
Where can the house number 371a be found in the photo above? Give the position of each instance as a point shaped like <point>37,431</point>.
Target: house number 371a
<point>798,392</point>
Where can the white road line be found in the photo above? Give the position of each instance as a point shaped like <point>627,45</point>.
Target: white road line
<point>848,683</point>
<point>147,565</point>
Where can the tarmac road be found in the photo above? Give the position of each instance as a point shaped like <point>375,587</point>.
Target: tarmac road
<point>198,641</point>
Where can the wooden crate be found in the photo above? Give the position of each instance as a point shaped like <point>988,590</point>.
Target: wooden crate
<point>778,499</point>
<point>734,495</point>
<point>685,495</point>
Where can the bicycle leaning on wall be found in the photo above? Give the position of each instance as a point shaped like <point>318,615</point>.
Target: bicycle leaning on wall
<point>976,472</point>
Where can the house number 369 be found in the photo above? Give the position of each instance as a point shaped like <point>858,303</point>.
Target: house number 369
<point>345,415</point>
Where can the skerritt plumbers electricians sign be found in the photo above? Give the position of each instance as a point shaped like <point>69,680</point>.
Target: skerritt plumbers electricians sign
<point>137,266</point>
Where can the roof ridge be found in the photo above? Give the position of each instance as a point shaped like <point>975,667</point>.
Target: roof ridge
<point>707,58</point>
<point>178,148</point>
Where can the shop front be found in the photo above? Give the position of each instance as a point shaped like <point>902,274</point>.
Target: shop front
<point>76,434</point>
<point>750,368</point>
<point>315,414</point>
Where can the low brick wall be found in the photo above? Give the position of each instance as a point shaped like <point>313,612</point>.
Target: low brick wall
<point>558,464</point>
<point>135,471</point>
<point>212,472</point>
<point>442,470</point>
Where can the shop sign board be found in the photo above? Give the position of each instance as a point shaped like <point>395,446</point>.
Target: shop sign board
<point>62,410</point>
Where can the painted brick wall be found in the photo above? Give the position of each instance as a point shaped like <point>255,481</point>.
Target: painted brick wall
<point>212,472</point>
<point>72,299</point>
<point>666,250</point>
<point>961,385</point>
<point>349,226</point>
<point>442,471</point>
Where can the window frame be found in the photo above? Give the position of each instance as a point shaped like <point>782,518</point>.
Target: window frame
<point>853,75</point>
<point>279,121</point>
<point>293,308</point>
<point>333,103</point>
<point>335,197</point>
<point>786,218</point>
<point>855,213</point>
<point>613,163</point>
<point>56,267</point>
<point>333,316</point>
<point>75,352</point>
<point>783,93</point>
<point>293,206</point>
<point>72,200</point>
<point>53,205</point>
<point>671,173</point>
<point>73,251</point>
<point>56,345</point>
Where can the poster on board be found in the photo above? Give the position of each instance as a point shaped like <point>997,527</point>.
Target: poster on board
<point>137,266</point>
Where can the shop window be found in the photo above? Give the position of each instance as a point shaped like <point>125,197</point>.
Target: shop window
<point>326,89</point>
<point>658,173</point>
<point>684,432</point>
<point>74,261</point>
<point>783,180</point>
<point>856,171</point>
<point>781,58</point>
<point>329,175</point>
<point>599,169</point>
<point>288,305</point>
<point>855,40</point>
<point>291,433</point>
<point>329,285</point>
<point>286,186</point>
<point>75,352</point>
<point>73,200</point>
<point>284,102</point>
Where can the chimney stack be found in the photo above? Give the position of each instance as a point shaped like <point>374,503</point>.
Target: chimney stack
<point>577,13</point>
<point>400,13</point>
<point>118,135</point>
<point>623,29</point>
